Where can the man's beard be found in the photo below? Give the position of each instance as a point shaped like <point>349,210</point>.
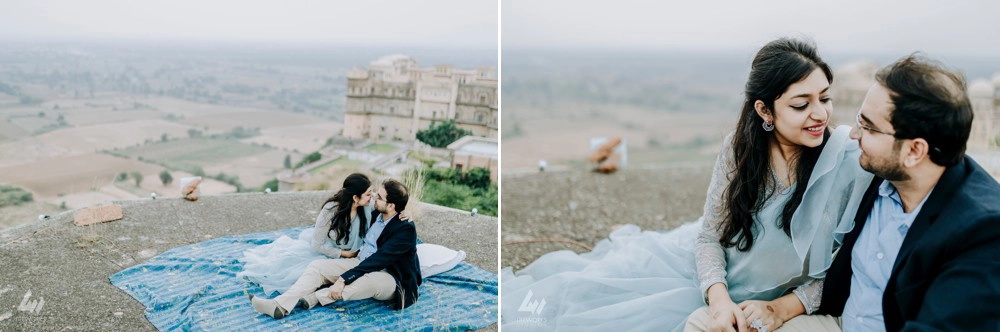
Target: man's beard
<point>890,169</point>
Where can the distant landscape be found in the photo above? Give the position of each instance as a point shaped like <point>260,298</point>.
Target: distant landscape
<point>78,121</point>
<point>671,106</point>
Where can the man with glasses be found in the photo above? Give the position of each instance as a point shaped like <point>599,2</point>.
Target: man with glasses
<point>923,254</point>
<point>386,269</point>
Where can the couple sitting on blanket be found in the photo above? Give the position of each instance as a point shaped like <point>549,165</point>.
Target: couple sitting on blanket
<point>376,259</point>
<point>797,233</point>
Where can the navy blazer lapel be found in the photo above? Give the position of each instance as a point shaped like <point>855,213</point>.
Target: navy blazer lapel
<point>942,193</point>
<point>388,224</point>
<point>864,209</point>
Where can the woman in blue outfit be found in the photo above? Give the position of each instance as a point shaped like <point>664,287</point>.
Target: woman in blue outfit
<point>340,227</point>
<point>783,192</point>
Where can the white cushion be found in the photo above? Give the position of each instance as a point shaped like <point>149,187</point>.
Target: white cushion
<point>436,259</point>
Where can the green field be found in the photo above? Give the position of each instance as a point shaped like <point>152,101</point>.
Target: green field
<point>342,161</point>
<point>187,154</point>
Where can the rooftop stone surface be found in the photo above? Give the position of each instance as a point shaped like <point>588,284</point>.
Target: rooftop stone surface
<point>585,207</point>
<point>68,266</point>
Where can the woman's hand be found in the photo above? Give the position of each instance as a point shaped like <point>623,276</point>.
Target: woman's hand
<point>726,315</point>
<point>404,216</point>
<point>765,311</point>
<point>773,314</point>
<point>348,254</point>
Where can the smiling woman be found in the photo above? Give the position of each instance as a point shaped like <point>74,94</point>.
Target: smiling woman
<point>775,206</point>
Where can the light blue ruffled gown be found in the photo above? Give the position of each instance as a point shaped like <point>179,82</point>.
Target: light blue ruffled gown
<point>648,281</point>
<point>277,265</point>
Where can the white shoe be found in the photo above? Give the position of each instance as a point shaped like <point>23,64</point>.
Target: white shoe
<point>267,307</point>
<point>308,302</point>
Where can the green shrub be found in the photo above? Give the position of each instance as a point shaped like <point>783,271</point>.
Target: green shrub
<point>309,158</point>
<point>442,134</point>
<point>11,196</point>
<point>166,178</point>
<point>273,184</point>
<point>138,178</point>
<point>451,188</point>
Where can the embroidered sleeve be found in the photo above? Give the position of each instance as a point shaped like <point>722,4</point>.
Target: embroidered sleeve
<point>321,242</point>
<point>810,294</point>
<point>710,259</point>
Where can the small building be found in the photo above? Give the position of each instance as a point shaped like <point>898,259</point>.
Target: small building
<point>470,152</point>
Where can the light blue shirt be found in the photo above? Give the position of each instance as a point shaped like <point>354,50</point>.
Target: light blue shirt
<point>873,258</point>
<point>371,239</point>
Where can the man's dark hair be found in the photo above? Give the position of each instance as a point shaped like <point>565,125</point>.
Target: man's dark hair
<point>929,102</point>
<point>396,193</point>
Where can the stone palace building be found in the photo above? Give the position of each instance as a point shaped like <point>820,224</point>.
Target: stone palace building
<point>394,98</point>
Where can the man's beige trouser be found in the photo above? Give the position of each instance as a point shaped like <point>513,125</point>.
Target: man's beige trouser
<point>379,285</point>
<point>699,321</point>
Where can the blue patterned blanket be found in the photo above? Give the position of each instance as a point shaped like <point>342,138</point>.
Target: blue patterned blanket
<point>194,288</point>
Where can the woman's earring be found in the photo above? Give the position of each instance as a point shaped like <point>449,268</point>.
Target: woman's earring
<point>768,126</point>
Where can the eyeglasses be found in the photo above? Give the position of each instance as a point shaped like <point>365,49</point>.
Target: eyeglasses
<point>857,119</point>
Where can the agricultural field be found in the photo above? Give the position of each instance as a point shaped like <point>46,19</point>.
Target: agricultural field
<point>83,140</point>
<point>253,171</point>
<point>188,154</point>
<point>59,176</point>
<point>303,138</point>
<point>73,117</point>
<point>342,162</point>
<point>652,137</point>
<point>382,148</point>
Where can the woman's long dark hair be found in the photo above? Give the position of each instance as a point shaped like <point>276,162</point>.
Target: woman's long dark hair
<point>778,65</point>
<point>354,185</point>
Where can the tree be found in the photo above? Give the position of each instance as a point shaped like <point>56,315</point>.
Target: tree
<point>138,178</point>
<point>309,158</point>
<point>442,134</point>
<point>477,177</point>
<point>163,138</point>
<point>272,184</point>
<point>123,176</point>
<point>288,161</point>
<point>166,178</point>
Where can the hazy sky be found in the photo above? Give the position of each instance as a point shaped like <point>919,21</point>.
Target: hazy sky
<point>962,27</point>
<point>451,23</point>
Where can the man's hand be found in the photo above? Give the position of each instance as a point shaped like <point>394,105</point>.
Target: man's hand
<point>348,254</point>
<point>766,311</point>
<point>726,316</point>
<point>337,290</point>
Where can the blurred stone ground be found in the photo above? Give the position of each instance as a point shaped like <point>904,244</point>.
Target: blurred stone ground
<point>584,207</point>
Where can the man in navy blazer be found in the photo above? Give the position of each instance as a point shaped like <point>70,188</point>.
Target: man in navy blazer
<point>395,252</point>
<point>386,269</point>
<point>924,254</point>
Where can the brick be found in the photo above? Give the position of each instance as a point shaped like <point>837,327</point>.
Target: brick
<point>94,215</point>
